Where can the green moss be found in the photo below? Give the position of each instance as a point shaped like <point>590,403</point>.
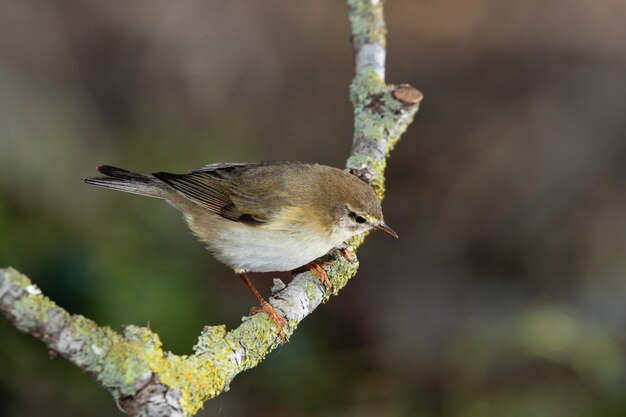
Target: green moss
<point>30,311</point>
<point>364,85</point>
<point>115,361</point>
<point>376,122</point>
<point>365,20</point>
<point>13,276</point>
<point>257,333</point>
<point>210,336</point>
<point>341,271</point>
<point>372,165</point>
<point>196,377</point>
<point>311,288</point>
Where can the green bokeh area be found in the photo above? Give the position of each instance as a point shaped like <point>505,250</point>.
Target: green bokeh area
<point>503,296</point>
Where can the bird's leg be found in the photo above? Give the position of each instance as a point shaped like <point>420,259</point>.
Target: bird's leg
<point>315,268</point>
<point>265,307</point>
<point>347,254</point>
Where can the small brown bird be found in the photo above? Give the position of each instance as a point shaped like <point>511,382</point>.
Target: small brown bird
<point>262,217</point>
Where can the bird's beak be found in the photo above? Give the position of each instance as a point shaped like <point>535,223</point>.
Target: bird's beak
<point>384,228</point>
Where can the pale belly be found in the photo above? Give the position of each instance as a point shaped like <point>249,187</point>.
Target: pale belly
<point>251,248</point>
<point>264,251</point>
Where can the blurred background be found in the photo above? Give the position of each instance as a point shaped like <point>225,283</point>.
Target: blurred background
<point>504,296</point>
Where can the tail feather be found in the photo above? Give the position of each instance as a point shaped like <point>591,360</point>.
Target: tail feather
<point>130,182</point>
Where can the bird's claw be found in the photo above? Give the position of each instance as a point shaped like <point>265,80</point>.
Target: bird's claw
<point>316,269</point>
<point>347,254</point>
<point>278,320</point>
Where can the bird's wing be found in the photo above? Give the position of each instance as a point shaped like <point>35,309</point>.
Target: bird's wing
<point>229,190</point>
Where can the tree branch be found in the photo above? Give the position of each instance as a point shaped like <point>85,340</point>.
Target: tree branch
<point>148,381</point>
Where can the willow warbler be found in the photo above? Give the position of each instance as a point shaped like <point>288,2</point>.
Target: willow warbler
<point>265,216</point>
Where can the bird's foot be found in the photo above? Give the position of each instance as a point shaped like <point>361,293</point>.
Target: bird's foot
<point>316,269</point>
<point>278,320</point>
<point>347,254</point>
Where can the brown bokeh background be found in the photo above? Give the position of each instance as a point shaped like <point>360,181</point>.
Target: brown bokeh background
<point>504,296</point>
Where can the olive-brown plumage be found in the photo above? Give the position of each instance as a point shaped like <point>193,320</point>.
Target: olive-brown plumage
<point>260,217</point>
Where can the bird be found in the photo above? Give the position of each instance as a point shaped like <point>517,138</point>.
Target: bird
<point>262,216</point>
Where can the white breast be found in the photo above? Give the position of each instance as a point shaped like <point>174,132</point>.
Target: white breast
<point>257,250</point>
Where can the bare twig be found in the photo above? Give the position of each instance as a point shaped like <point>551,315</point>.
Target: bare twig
<point>146,380</point>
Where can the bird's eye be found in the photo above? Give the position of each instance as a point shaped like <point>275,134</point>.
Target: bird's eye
<point>357,218</point>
